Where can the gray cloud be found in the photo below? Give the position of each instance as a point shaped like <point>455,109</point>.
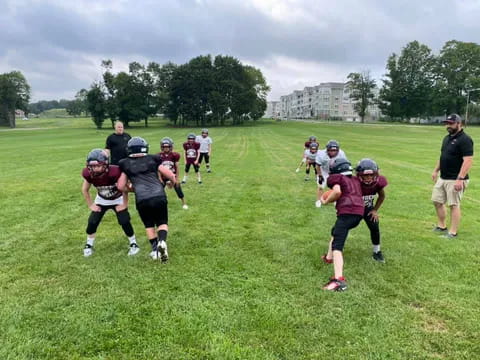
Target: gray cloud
<point>59,44</point>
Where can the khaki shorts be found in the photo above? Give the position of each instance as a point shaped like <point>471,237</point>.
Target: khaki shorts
<point>444,192</point>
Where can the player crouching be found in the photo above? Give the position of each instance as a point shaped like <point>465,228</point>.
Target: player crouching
<point>104,178</point>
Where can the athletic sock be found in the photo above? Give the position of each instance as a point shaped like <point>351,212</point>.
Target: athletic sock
<point>162,235</point>
<point>185,178</point>
<point>376,248</point>
<point>90,240</point>
<point>132,240</point>
<point>154,243</point>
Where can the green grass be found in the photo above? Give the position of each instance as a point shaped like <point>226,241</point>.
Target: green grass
<point>244,280</point>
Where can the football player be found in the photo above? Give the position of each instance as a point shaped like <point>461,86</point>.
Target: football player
<point>347,193</point>
<point>205,142</point>
<point>169,159</point>
<point>306,146</point>
<point>323,160</point>
<point>144,172</point>
<point>104,178</point>
<point>372,184</point>
<point>192,155</point>
<point>309,157</point>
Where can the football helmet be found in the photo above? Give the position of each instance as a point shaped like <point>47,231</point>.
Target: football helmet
<point>166,142</point>
<point>341,166</point>
<point>137,145</point>
<point>313,146</point>
<point>367,171</point>
<point>191,136</point>
<point>97,157</point>
<point>312,138</point>
<point>333,145</point>
<point>204,131</point>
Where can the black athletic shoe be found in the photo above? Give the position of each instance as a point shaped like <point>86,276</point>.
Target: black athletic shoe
<point>378,256</point>
<point>438,229</point>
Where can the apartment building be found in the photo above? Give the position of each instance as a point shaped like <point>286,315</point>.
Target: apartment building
<point>324,101</point>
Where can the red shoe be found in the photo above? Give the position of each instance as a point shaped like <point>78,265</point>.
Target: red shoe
<point>336,284</point>
<point>325,260</point>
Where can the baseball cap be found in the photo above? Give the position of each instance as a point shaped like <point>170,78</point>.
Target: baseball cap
<point>453,118</point>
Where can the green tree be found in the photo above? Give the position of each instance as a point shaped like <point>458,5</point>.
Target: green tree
<point>14,94</point>
<point>409,85</point>
<point>96,104</point>
<point>78,106</point>
<point>361,87</point>
<point>457,69</point>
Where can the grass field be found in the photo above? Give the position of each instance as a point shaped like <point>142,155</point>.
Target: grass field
<point>244,278</point>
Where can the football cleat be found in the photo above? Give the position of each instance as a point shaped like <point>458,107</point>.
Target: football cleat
<point>325,260</point>
<point>154,255</point>
<point>87,250</point>
<point>318,203</point>
<point>378,256</point>
<point>209,170</point>
<point>185,207</point>
<point>162,249</point>
<point>199,181</point>
<point>336,284</point>
<point>134,249</point>
<point>297,170</point>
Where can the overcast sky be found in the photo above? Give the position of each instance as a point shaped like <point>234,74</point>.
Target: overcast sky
<point>59,44</point>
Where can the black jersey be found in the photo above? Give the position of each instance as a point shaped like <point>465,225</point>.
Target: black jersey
<point>143,173</point>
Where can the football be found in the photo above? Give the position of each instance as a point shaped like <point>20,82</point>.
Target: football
<point>327,193</point>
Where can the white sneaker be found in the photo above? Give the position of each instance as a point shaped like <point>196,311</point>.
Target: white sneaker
<point>162,249</point>
<point>318,203</point>
<point>155,255</point>
<point>134,249</point>
<point>185,207</point>
<point>87,250</point>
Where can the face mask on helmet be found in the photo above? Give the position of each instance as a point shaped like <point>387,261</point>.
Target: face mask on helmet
<point>367,171</point>
<point>166,144</point>
<point>205,132</point>
<point>313,147</point>
<point>97,162</point>
<point>137,145</point>
<point>191,137</point>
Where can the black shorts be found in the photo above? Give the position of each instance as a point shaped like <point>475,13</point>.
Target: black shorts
<point>341,228</point>
<point>195,167</point>
<point>153,211</point>
<point>204,156</point>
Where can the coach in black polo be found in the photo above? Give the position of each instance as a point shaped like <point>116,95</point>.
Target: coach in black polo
<point>454,163</point>
<point>116,144</point>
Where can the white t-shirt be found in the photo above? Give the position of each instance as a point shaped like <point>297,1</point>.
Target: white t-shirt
<point>324,160</point>
<point>204,142</point>
<point>311,157</point>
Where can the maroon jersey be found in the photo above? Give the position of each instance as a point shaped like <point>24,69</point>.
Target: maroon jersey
<point>106,184</point>
<point>191,151</point>
<point>307,144</point>
<point>369,191</point>
<point>170,160</point>
<point>351,201</point>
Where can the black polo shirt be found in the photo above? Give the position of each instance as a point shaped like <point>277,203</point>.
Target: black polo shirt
<point>454,148</point>
<point>117,144</point>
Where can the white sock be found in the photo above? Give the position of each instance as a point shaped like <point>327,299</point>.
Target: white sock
<point>376,248</point>
<point>90,240</point>
<point>185,178</point>
<point>199,178</point>
<point>132,239</point>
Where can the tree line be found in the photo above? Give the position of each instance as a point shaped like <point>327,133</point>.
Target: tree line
<point>419,84</point>
<point>204,91</point>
